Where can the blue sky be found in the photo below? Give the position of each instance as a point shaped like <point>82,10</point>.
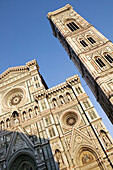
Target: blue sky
<point>25,34</point>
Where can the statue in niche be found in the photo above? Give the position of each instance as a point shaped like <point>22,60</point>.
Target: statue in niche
<point>105,138</point>
<point>87,158</point>
<point>58,156</point>
<point>24,116</point>
<point>16,120</point>
<point>34,129</point>
<point>15,117</point>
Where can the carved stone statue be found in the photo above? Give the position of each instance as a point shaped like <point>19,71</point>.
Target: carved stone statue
<point>59,157</point>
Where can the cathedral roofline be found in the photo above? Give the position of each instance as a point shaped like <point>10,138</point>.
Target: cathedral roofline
<point>70,80</point>
<point>20,68</point>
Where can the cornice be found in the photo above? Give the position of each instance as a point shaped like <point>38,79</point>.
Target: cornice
<point>43,93</point>
<point>68,6</point>
<point>19,68</point>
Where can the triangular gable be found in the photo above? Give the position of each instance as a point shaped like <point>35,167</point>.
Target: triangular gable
<point>19,141</point>
<point>8,75</point>
<point>18,69</point>
<point>78,138</point>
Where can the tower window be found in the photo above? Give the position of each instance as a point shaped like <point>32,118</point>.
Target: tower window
<point>35,78</point>
<point>79,90</point>
<point>100,62</point>
<point>91,40</point>
<point>92,114</point>
<point>83,43</point>
<point>72,26</point>
<point>86,104</point>
<point>51,132</point>
<point>37,85</point>
<point>108,58</point>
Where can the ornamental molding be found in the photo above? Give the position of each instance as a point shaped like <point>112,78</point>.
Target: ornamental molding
<point>50,14</point>
<point>24,68</point>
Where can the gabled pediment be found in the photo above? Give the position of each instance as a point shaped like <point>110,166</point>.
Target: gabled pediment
<point>78,138</point>
<point>13,72</point>
<point>19,141</point>
<point>18,70</point>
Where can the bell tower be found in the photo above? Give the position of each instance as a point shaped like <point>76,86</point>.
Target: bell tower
<point>90,51</point>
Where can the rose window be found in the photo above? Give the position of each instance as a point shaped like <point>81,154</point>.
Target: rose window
<point>70,118</point>
<point>14,97</point>
<point>71,121</point>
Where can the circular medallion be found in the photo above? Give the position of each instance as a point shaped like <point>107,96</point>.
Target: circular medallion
<point>15,100</point>
<point>78,139</point>
<point>71,121</point>
<point>13,97</point>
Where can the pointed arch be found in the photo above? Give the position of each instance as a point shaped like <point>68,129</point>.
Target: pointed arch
<point>68,96</point>
<point>72,25</point>
<point>85,156</point>
<point>61,99</point>
<point>54,102</point>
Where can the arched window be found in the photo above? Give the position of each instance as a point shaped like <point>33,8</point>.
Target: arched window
<point>91,40</point>
<point>99,62</point>
<point>30,113</point>
<point>54,102</point>
<point>36,110</point>
<point>8,123</point>
<point>24,116</point>
<point>61,100</point>
<point>15,116</point>
<point>84,44</point>
<point>2,125</point>
<point>72,26</point>
<point>68,96</point>
<point>108,58</point>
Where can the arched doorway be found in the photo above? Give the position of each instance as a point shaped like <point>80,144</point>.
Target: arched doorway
<point>86,158</point>
<point>22,162</point>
